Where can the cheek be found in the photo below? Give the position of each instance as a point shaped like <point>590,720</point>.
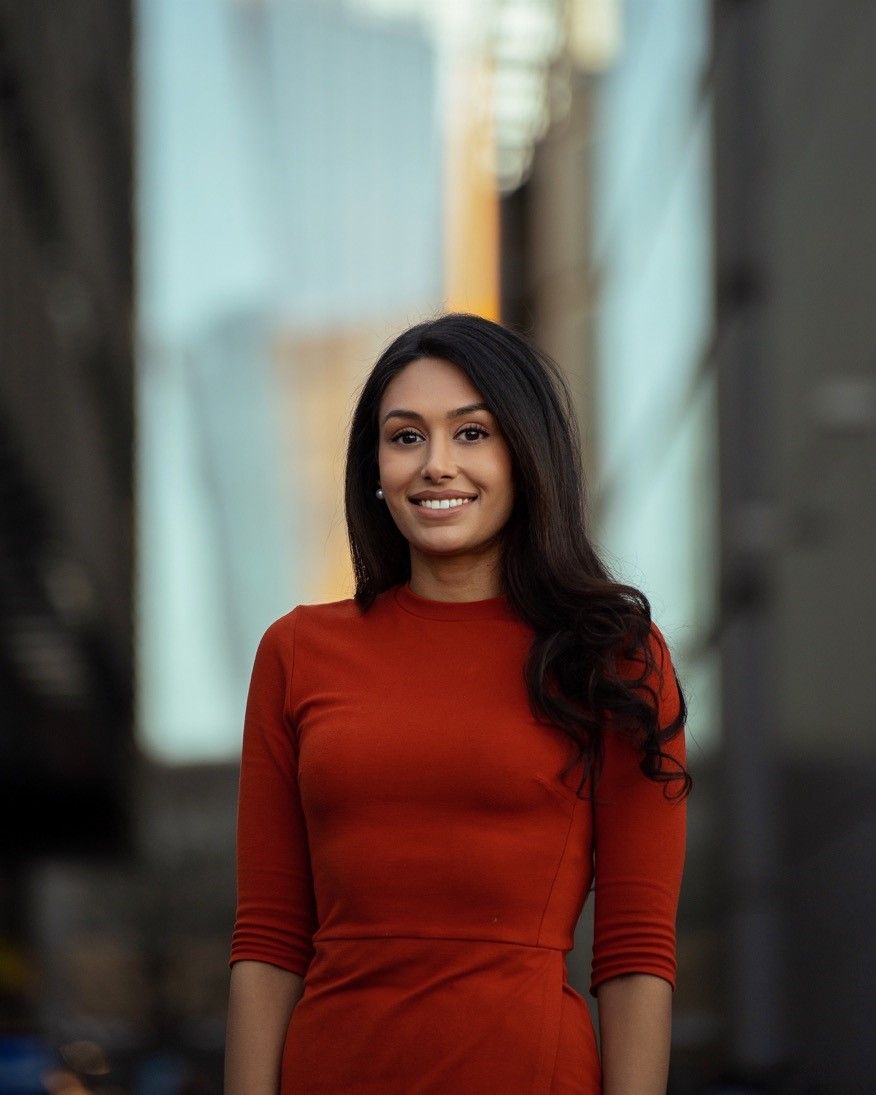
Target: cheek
<point>390,461</point>
<point>503,471</point>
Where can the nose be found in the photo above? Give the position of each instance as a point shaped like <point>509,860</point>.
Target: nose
<point>439,461</point>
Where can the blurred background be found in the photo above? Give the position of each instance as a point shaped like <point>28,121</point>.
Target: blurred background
<point>213,215</point>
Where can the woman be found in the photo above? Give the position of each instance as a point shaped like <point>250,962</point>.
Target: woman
<point>430,768</point>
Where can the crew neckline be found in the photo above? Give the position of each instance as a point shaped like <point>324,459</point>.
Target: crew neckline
<point>488,608</point>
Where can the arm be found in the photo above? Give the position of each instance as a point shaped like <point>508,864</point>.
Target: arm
<point>634,1028</point>
<point>271,945</point>
<point>639,845</point>
<point>260,1002</point>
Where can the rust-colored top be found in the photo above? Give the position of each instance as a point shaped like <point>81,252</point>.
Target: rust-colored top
<point>406,844</point>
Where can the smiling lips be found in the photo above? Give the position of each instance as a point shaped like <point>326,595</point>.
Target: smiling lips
<point>441,505</point>
<point>435,495</point>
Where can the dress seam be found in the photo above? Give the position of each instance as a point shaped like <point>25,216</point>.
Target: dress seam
<point>560,862</point>
<point>437,939</point>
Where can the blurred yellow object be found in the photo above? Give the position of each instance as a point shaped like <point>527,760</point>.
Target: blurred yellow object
<point>471,198</point>
<point>16,972</point>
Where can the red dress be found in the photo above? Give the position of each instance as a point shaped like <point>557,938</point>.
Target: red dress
<point>405,844</point>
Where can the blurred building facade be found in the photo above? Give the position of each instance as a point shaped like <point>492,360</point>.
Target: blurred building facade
<point>67,752</point>
<point>66,481</point>
<point>794,351</point>
<point>65,426</point>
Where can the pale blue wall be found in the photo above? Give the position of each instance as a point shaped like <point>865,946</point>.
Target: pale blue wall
<point>656,408</point>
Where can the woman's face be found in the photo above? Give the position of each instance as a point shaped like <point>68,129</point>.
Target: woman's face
<point>432,442</point>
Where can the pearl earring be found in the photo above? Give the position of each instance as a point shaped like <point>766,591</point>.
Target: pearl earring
<point>379,492</point>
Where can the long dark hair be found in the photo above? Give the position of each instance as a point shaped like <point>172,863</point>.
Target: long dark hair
<point>551,574</point>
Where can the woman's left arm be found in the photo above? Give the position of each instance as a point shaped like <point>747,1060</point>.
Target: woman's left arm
<point>639,848</point>
<point>635,1015</point>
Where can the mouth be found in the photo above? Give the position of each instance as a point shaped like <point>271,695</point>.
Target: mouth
<point>441,507</point>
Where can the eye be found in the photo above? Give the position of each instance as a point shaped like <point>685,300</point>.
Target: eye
<point>478,431</point>
<point>402,433</point>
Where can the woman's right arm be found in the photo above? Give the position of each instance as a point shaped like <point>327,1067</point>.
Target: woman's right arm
<point>261,999</point>
<point>272,942</point>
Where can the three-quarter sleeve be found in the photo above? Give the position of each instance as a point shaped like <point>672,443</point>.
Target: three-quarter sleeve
<point>275,917</point>
<point>639,846</point>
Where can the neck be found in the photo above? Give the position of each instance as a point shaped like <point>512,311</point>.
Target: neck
<point>471,583</point>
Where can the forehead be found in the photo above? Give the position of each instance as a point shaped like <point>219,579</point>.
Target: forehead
<point>432,382</point>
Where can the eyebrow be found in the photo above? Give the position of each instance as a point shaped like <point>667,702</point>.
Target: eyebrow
<point>458,413</point>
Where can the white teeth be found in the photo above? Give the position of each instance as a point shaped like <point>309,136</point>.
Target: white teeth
<point>442,503</point>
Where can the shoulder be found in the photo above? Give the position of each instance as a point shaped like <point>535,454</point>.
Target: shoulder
<point>330,611</point>
<point>632,664</point>
<point>346,609</point>
<point>338,617</point>
<point>654,678</point>
<point>309,625</point>
<point>659,647</point>
<point>655,683</point>
<point>313,618</point>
